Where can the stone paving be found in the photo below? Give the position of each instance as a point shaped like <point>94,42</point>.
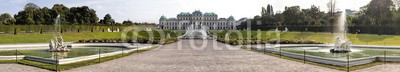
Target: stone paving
<point>382,68</point>
<point>183,57</point>
<point>213,57</point>
<point>19,68</point>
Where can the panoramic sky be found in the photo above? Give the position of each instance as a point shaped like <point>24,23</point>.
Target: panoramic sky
<point>151,10</point>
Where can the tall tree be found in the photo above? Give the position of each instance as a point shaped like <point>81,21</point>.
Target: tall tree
<point>332,7</point>
<point>6,19</point>
<point>263,11</point>
<point>49,16</point>
<point>61,10</point>
<point>27,15</point>
<point>128,22</point>
<point>82,15</point>
<point>292,15</point>
<point>107,20</point>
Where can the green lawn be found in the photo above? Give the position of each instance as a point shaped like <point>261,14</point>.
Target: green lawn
<point>44,38</point>
<point>370,39</point>
<point>72,37</point>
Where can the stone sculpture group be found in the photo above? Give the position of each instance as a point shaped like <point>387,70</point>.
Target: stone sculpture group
<point>57,45</point>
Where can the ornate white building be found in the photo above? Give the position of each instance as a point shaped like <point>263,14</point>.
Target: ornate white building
<point>208,19</point>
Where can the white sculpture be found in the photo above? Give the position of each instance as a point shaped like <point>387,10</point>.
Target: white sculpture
<point>286,29</point>
<point>341,46</point>
<point>57,45</point>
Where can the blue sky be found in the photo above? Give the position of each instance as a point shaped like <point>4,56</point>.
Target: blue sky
<point>151,10</point>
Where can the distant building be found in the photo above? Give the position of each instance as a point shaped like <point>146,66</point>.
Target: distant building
<point>208,19</point>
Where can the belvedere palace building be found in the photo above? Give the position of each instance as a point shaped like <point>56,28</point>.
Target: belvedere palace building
<point>209,20</point>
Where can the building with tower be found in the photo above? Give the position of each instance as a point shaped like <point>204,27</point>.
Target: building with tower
<point>209,20</point>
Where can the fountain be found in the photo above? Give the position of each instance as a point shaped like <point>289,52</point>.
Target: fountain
<point>57,44</point>
<point>342,44</point>
<point>196,31</point>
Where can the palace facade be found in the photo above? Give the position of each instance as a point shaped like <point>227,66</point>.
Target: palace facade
<point>208,19</point>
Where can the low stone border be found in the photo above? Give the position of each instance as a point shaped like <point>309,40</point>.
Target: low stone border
<point>12,57</point>
<point>68,60</point>
<point>332,61</point>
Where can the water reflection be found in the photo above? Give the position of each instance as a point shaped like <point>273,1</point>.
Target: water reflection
<point>59,55</point>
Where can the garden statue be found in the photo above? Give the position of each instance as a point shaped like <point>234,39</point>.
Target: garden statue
<point>57,45</point>
<point>341,46</point>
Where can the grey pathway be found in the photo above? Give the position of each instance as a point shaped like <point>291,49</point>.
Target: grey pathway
<point>19,68</point>
<point>382,68</point>
<point>182,57</point>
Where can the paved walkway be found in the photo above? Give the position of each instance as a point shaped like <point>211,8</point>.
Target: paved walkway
<point>382,68</point>
<point>19,68</point>
<point>173,58</point>
<point>184,57</point>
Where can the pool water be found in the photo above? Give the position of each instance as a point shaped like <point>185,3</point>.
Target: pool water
<point>75,52</point>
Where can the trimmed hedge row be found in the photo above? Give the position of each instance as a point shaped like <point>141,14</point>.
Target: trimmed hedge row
<point>139,40</point>
<point>254,41</point>
<point>17,29</point>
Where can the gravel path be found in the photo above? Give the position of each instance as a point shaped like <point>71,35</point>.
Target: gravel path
<point>382,68</point>
<point>215,57</point>
<point>19,68</point>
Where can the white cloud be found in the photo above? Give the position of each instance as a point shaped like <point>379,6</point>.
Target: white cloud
<point>19,1</point>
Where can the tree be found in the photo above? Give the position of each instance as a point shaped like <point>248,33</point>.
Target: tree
<point>332,7</point>
<point>82,15</point>
<point>128,22</point>
<point>27,15</point>
<point>377,12</point>
<point>279,19</point>
<point>31,7</point>
<point>267,15</point>
<point>268,11</point>
<point>292,15</point>
<point>6,19</point>
<point>107,20</point>
<point>313,15</point>
<point>49,16</point>
<point>61,10</point>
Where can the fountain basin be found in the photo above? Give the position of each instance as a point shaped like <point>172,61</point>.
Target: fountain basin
<point>80,52</point>
<point>320,53</point>
<point>77,52</point>
<point>357,52</point>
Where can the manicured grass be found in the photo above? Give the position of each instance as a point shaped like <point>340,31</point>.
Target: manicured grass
<point>365,39</point>
<point>63,67</point>
<point>74,37</point>
<point>45,38</point>
<point>7,61</point>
